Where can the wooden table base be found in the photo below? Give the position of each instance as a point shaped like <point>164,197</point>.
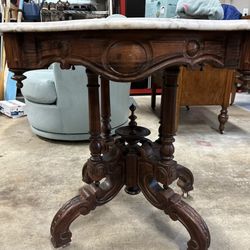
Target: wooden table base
<point>133,161</point>
<point>130,50</point>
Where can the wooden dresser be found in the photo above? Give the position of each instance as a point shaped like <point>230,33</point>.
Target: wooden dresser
<point>206,86</point>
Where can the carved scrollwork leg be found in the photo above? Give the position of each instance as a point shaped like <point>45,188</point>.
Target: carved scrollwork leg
<point>90,196</point>
<point>223,118</point>
<point>105,172</point>
<point>80,205</point>
<point>172,204</point>
<point>179,210</point>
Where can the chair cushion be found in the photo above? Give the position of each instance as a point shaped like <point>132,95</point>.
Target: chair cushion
<point>39,88</point>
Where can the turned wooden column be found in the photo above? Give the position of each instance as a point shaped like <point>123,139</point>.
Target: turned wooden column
<point>94,116</point>
<point>95,166</point>
<point>168,113</point>
<point>18,77</point>
<point>105,110</point>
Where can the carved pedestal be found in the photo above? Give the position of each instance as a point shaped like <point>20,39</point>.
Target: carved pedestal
<point>133,161</point>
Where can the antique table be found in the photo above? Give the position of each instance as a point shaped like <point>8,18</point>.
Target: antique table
<point>129,50</point>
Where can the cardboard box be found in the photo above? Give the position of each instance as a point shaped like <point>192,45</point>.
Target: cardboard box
<point>12,108</point>
<point>160,8</point>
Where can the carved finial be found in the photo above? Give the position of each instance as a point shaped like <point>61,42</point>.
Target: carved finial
<point>132,133</point>
<point>132,117</point>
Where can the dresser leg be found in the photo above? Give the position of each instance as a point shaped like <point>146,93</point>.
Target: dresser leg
<point>223,118</point>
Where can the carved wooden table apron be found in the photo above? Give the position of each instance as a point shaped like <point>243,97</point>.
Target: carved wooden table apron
<point>131,159</point>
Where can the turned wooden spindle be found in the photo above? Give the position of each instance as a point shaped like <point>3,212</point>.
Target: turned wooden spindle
<point>168,113</point>
<point>94,117</point>
<point>132,117</point>
<point>105,110</point>
<point>18,77</point>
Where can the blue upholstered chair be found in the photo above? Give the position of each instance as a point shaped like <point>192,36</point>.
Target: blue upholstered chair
<point>57,103</point>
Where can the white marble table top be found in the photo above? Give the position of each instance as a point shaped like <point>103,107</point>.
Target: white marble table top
<point>128,24</point>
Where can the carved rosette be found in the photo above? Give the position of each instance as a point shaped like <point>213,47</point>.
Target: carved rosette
<point>192,48</point>
<point>126,58</point>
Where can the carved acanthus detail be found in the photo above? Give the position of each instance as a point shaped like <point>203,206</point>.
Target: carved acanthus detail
<point>166,173</point>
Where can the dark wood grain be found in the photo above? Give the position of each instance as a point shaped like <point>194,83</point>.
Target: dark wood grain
<point>203,86</point>
<point>124,56</point>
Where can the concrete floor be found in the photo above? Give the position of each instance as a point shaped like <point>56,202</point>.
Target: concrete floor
<point>38,176</point>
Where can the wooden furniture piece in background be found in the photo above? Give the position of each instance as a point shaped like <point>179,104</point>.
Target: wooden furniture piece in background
<point>247,84</point>
<point>246,17</point>
<point>206,86</point>
<point>129,50</point>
